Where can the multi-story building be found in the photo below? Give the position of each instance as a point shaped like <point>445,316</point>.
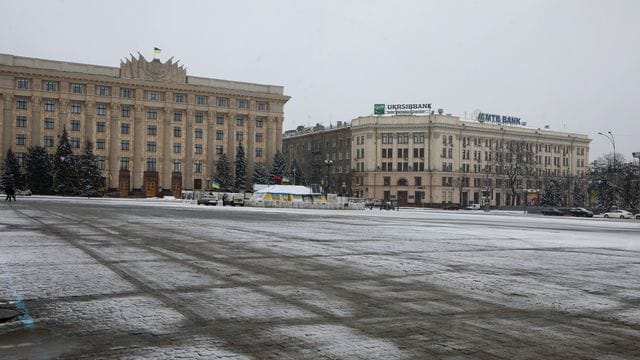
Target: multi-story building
<point>438,159</point>
<point>153,126</point>
<point>322,154</point>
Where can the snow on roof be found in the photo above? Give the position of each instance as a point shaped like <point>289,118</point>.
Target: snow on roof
<point>286,189</point>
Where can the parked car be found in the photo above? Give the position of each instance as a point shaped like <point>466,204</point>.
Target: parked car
<point>637,216</point>
<point>451,207</point>
<point>210,198</point>
<point>580,212</point>
<point>552,212</point>
<point>622,214</point>
<point>474,207</point>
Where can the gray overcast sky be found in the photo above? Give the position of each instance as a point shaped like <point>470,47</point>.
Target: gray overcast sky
<point>574,65</point>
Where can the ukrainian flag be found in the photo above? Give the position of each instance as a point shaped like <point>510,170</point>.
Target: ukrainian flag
<point>215,185</point>
<point>156,50</point>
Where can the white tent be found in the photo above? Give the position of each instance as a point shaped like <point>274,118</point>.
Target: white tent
<point>286,189</point>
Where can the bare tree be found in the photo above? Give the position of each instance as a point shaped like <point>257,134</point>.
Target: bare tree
<point>514,163</point>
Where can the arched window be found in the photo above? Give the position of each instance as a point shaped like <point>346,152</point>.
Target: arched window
<point>402,182</point>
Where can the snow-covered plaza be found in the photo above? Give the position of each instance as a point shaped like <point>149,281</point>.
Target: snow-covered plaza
<point>153,279</point>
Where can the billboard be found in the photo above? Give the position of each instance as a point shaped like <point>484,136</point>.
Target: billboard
<point>395,109</point>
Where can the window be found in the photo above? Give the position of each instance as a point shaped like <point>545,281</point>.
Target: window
<point>177,115</point>
<point>21,121</point>
<point>21,139</point>
<point>177,148</point>
<point>75,108</point>
<point>197,166</point>
<point>240,121</point>
<point>124,145</point>
<point>239,136</point>
<point>418,138</point>
<point>418,152</point>
<point>177,132</point>
<point>124,163</point>
<point>262,105</point>
<point>75,125</point>
<point>20,156</point>
<point>198,149</point>
<point>50,86</point>
<point>418,166</point>
<point>100,144</point>
<point>176,165</point>
<point>75,142</point>
<point>219,150</point>
<point>124,128</point>
<point>220,119</point>
<point>258,137</point>
<point>403,138</point>
<point>100,126</point>
<point>49,105</point>
<point>258,152</point>
<point>259,121</point>
<point>387,138</point>
<point>219,135</point>
<point>201,100</point>
<point>223,102</point>
<point>198,133</point>
<point>199,118</point>
<point>48,141</point>
<point>101,109</point>
<point>126,111</point>
<point>243,104</point>
<point>151,164</point>
<point>151,146</point>
<point>152,130</point>
<point>154,95</point>
<point>23,83</point>
<point>77,88</point>
<point>126,93</point>
<point>21,104</point>
<point>387,180</point>
<point>152,113</point>
<point>48,123</point>
<point>100,162</point>
<point>102,90</point>
<point>179,98</point>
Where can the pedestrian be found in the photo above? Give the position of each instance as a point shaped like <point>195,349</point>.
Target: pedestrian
<point>13,194</point>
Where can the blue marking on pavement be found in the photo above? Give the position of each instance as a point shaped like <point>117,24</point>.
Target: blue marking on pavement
<point>27,320</point>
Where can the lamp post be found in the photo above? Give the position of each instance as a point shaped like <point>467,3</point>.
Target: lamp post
<point>612,140</point>
<point>328,163</point>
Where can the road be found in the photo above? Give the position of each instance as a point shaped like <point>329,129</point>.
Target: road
<point>109,278</point>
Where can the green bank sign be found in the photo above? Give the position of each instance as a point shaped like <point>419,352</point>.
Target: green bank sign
<point>395,109</point>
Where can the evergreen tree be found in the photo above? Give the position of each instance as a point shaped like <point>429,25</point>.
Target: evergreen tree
<point>279,165</point>
<point>65,172</point>
<point>241,171</point>
<point>223,173</point>
<point>297,177</point>
<point>579,194</point>
<point>260,174</point>
<point>38,170</point>
<point>551,193</point>
<point>90,178</point>
<point>10,177</point>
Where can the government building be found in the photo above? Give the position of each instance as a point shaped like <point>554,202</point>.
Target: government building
<point>155,129</point>
<point>438,159</point>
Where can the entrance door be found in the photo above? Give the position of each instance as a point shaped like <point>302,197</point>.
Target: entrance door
<point>418,198</point>
<point>465,198</point>
<point>402,198</point>
<point>498,199</point>
<point>150,188</point>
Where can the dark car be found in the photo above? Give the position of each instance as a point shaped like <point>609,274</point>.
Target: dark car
<point>552,212</point>
<point>580,212</point>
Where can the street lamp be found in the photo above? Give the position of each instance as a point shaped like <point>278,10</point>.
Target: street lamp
<point>612,140</point>
<point>328,163</point>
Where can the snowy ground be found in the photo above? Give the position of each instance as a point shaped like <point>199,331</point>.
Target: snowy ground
<point>121,278</point>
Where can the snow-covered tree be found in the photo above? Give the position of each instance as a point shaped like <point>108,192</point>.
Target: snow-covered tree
<point>91,180</point>
<point>260,174</point>
<point>10,177</point>
<point>223,173</point>
<point>38,168</point>
<point>552,193</point>
<point>241,170</point>
<point>65,168</point>
<point>279,165</point>
<point>579,193</point>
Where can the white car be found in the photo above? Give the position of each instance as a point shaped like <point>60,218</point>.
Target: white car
<point>622,214</point>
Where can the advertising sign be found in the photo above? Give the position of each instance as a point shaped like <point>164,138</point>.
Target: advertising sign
<point>498,119</point>
<point>395,109</point>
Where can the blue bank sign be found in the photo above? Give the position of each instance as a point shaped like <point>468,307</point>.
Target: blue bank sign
<point>499,119</point>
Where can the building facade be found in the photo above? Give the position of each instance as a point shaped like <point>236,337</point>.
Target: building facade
<point>322,154</point>
<point>154,129</point>
<point>438,159</point>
